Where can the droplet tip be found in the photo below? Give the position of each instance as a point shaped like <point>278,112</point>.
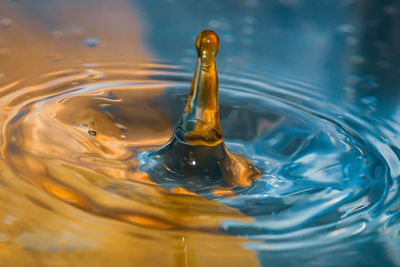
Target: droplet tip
<point>207,43</point>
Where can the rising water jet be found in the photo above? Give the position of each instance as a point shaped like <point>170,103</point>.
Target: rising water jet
<point>196,155</point>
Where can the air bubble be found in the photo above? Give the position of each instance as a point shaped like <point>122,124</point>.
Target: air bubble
<point>92,42</point>
<point>92,132</point>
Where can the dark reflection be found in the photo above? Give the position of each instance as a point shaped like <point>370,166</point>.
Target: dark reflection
<point>348,51</point>
<point>374,60</point>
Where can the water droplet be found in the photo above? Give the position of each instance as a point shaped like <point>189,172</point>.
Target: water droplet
<point>346,29</point>
<point>92,132</point>
<point>6,23</point>
<point>84,125</point>
<point>92,123</point>
<point>92,42</point>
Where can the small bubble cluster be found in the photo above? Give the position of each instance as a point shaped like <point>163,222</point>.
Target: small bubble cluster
<point>85,125</point>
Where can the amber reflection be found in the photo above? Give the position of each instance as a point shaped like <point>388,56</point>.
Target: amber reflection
<point>139,223</point>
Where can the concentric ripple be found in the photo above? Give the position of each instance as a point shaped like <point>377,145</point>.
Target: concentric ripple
<point>330,174</point>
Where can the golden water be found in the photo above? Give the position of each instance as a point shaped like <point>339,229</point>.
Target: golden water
<point>73,119</point>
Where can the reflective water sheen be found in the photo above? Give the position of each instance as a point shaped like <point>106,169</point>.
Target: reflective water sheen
<point>317,115</point>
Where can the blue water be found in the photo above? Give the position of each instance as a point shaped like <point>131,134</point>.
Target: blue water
<point>318,111</point>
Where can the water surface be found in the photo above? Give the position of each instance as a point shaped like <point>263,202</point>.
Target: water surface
<point>311,99</point>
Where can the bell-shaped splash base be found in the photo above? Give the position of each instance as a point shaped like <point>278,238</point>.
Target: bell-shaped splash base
<point>196,157</point>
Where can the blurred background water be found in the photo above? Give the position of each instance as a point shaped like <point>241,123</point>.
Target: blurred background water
<point>309,91</point>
